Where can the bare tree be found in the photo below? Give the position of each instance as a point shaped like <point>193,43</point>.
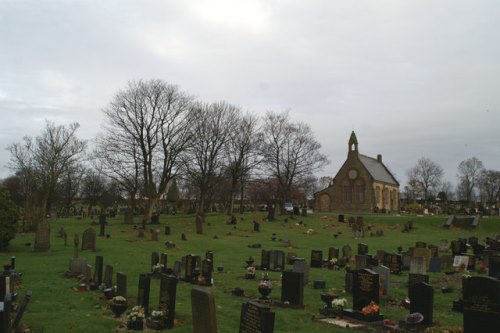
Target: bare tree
<point>211,128</point>
<point>148,120</point>
<point>70,186</point>
<point>290,152</point>
<point>93,188</point>
<point>242,156</point>
<point>469,171</point>
<point>41,162</point>
<point>489,184</point>
<point>425,176</point>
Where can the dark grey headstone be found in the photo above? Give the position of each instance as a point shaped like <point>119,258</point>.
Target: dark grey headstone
<point>108,276</point>
<point>416,278</point>
<point>168,294</point>
<point>396,264</point>
<point>362,249</point>
<point>203,311</point>
<point>264,259</point>
<point>365,288</point>
<point>347,252</point>
<point>99,262</point>
<point>143,292</point>
<point>256,318</point>
<point>435,265</point>
<point>494,266</point>
<point>422,300</point>
<point>300,266</point>
<point>102,225</point>
<point>316,258</point>
<point>481,304</point>
<point>333,252</point>
<point>292,288</point>
<point>383,274</point>
<point>121,284</point>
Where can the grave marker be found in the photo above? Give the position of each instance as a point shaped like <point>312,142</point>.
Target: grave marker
<point>42,237</point>
<point>481,304</point>
<point>168,294</point>
<point>316,258</point>
<point>203,311</point>
<point>292,288</point>
<point>422,300</point>
<point>89,239</point>
<point>256,318</point>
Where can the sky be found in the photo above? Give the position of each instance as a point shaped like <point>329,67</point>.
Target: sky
<point>412,78</point>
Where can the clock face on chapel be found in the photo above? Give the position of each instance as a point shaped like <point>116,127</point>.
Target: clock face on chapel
<point>353,173</point>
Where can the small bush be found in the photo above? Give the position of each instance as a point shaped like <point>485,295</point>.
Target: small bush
<point>8,219</point>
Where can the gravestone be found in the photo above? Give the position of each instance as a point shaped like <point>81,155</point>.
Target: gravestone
<point>434,250</point>
<point>381,256</point>
<point>143,292</point>
<point>264,260</point>
<point>189,262</point>
<point>444,246</point>
<point>102,225</point>
<point>154,235</point>
<point>425,253</point>
<point>290,258</point>
<point>360,261</point>
<point>292,288</point>
<point>348,281</point>
<point>461,262</point>
<point>494,266</point>
<point>362,249</point>
<point>421,297</point>
<point>416,278</point>
<point>333,252</point>
<point>203,311</point>
<point>347,252</point>
<point>365,288</point>
<point>108,276</point>
<point>177,268</point>
<point>435,265</point>
<point>89,239</point>
<point>316,258</point>
<point>256,318</point>
<point>163,262</point>
<point>256,226</point>
<point>42,237</point>
<point>276,260</point>
<point>481,304</point>
<point>155,219</point>
<point>99,261</point>
<point>446,262</point>
<point>396,264</point>
<point>20,312</point>
<point>383,274</point>
<point>207,268</point>
<point>121,284</point>
<point>167,230</point>
<point>168,294</point>
<point>300,266</point>
<point>5,313</point>
<point>155,260</point>
<point>417,265</point>
<point>420,244</point>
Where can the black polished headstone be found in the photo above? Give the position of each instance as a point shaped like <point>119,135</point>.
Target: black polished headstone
<point>256,318</point>
<point>168,294</point>
<point>292,288</point>
<point>422,300</point>
<point>143,292</point>
<point>481,304</point>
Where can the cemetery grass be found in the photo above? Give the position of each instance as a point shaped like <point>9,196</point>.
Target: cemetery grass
<point>57,305</point>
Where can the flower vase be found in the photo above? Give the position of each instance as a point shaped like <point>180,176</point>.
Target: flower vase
<point>155,324</point>
<point>135,325</point>
<point>264,292</point>
<point>118,309</point>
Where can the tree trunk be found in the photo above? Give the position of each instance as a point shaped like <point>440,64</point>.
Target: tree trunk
<point>200,215</point>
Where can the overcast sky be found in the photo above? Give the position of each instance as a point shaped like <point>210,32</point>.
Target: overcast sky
<point>412,78</point>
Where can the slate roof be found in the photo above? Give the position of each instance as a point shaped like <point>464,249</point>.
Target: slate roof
<point>377,170</point>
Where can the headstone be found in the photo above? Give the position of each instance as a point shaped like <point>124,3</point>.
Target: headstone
<point>155,219</point>
<point>434,250</point>
<point>360,261</point>
<point>167,230</point>
<point>461,262</point>
<point>347,252</point>
<point>435,265</point>
<point>446,262</point>
<point>121,284</point>
<point>89,239</point>
<point>177,268</point>
<point>163,262</point>
<point>5,313</point>
<point>108,276</point>
<point>102,225</point>
<point>417,265</point>
<point>381,256</point>
<point>256,318</point>
<point>207,268</point>
<point>333,252</point>
<point>396,264</point>
<point>316,258</point>
<point>300,266</point>
<point>416,278</point>
<point>348,281</point>
<point>42,237</point>
<point>425,253</point>
<point>292,288</point>
<point>362,249</point>
<point>264,260</point>
<point>494,266</point>
<point>155,260</point>
<point>421,297</point>
<point>20,311</point>
<point>481,304</point>
<point>154,235</point>
<point>420,244</point>
<point>143,292</point>
<point>290,258</point>
<point>168,294</point>
<point>443,245</point>
<point>189,267</point>
<point>203,311</point>
<point>99,261</point>
<point>256,226</point>
<point>456,247</point>
<point>365,288</point>
<point>383,274</point>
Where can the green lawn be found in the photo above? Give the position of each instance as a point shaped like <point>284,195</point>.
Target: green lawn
<point>57,306</point>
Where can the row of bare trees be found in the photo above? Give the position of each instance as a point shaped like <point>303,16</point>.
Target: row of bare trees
<point>154,134</point>
<point>474,182</point>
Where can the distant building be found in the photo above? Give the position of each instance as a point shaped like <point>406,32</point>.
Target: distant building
<point>362,184</point>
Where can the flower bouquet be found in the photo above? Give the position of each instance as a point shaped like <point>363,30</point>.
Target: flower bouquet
<point>135,318</point>
<point>338,304</point>
<point>371,309</point>
<point>265,287</point>
<point>250,273</point>
<point>157,320</point>
<point>414,318</point>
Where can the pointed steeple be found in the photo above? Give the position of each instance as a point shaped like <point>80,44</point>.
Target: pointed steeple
<point>353,144</point>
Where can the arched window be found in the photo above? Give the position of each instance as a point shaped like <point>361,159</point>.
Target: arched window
<point>377,195</point>
<point>360,191</point>
<point>347,188</point>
